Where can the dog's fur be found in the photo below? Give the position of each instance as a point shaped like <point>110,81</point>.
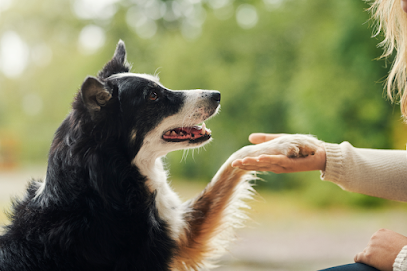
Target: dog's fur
<point>105,203</point>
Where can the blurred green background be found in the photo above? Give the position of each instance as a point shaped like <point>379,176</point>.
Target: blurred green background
<point>303,66</point>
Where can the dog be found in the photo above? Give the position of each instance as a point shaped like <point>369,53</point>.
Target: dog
<point>105,203</point>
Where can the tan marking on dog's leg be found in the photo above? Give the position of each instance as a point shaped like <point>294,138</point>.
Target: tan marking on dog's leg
<point>207,218</point>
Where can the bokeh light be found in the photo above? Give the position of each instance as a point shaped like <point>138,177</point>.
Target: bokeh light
<point>91,39</point>
<point>246,16</point>
<point>14,54</point>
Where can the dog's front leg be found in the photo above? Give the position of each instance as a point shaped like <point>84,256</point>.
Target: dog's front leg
<point>212,216</point>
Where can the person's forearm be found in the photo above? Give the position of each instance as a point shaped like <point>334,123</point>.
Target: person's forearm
<point>379,173</point>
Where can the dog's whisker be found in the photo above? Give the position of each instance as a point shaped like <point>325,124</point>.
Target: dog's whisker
<point>184,155</point>
<point>193,154</point>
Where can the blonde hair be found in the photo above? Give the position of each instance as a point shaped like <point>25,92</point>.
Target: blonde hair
<point>392,21</point>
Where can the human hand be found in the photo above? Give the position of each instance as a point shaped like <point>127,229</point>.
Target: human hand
<point>279,163</point>
<point>382,249</point>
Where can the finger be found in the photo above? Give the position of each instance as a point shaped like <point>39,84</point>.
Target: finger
<point>257,138</point>
<point>250,163</point>
<point>358,257</point>
<point>262,163</point>
<point>257,168</point>
<point>273,163</point>
<point>361,256</point>
<point>237,163</point>
<point>245,161</point>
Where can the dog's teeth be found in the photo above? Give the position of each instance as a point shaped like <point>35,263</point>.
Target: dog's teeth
<point>203,129</point>
<point>167,133</point>
<point>173,133</point>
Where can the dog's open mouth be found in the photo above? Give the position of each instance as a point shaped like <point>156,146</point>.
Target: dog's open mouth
<point>193,134</point>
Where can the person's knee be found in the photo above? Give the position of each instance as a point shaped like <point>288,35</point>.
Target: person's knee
<point>351,267</point>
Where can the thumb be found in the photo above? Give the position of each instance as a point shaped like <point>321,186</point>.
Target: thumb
<point>257,138</point>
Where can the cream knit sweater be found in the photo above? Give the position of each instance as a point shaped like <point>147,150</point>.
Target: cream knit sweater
<point>379,173</point>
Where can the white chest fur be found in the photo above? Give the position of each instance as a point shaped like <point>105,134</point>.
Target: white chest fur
<point>167,201</point>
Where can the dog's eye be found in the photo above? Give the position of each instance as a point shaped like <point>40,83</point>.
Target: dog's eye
<point>153,96</point>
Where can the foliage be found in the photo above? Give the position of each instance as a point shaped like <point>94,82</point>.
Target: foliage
<point>303,66</point>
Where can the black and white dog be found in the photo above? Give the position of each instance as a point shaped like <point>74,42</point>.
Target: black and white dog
<point>106,203</point>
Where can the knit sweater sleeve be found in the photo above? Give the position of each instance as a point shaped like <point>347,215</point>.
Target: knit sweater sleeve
<point>400,264</point>
<point>379,173</point>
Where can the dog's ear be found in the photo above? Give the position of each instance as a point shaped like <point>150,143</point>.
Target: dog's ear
<point>117,64</point>
<point>94,95</point>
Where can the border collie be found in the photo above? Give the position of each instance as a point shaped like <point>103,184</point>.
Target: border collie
<point>105,203</point>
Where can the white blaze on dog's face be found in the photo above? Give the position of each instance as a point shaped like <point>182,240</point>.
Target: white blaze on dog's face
<point>186,128</point>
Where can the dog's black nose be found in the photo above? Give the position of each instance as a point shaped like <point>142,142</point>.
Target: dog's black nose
<point>216,96</point>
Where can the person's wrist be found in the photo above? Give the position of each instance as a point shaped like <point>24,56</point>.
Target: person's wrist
<point>321,159</point>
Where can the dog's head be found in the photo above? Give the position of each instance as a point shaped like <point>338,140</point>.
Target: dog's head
<point>147,113</point>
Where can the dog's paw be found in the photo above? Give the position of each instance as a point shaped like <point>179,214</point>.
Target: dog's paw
<point>292,145</point>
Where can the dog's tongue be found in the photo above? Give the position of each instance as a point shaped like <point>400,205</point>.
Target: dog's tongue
<point>194,132</point>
